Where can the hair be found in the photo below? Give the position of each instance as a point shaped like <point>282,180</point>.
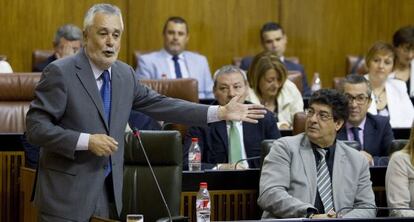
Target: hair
<point>69,32</point>
<point>270,26</point>
<point>104,8</point>
<point>358,79</point>
<point>334,99</point>
<point>227,70</point>
<point>380,48</point>
<point>261,63</point>
<point>175,19</point>
<point>404,36</point>
<point>409,147</point>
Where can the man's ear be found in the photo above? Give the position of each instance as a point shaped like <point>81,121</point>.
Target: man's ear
<point>339,124</point>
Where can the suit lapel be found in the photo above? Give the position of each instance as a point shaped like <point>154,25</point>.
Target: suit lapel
<point>116,84</point>
<point>88,81</point>
<point>163,66</point>
<point>220,131</point>
<point>191,69</point>
<point>369,133</point>
<point>309,163</point>
<point>337,174</point>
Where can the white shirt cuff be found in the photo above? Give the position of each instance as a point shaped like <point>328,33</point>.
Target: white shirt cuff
<point>212,114</point>
<point>83,141</point>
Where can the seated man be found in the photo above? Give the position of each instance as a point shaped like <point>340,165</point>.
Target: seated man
<point>274,39</point>
<point>174,62</point>
<point>67,42</point>
<point>372,132</point>
<point>314,175</point>
<point>218,139</point>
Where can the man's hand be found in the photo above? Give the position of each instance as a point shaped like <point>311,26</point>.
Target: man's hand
<point>102,145</point>
<point>330,214</point>
<point>368,157</point>
<point>236,111</point>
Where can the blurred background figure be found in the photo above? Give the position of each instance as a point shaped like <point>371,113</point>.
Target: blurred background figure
<point>403,41</point>
<point>4,65</point>
<point>67,42</point>
<point>269,86</point>
<point>389,95</point>
<point>399,180</point>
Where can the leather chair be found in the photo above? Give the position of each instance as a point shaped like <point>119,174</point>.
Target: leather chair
<point>186,89</point>
<point>135,57</point>
<point>16,93</point>
<point>140,194</point>
<point>39,56</point>
<point>236,61</point>
<point>296,77</point>
<point>299,120</point>
<point>338,83</point>
<point>396,145</point>
<point>355,65</point>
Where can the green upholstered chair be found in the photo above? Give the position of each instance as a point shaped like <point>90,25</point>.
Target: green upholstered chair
<point>140,194</point>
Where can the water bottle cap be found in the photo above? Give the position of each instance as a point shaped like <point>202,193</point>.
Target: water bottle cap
<point>203,185</point>
<point>194,139</point>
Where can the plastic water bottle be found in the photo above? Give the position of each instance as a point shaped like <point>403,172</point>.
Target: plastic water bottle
<point>203,209</point>
<point>194,156</point>
<point>316,82</point>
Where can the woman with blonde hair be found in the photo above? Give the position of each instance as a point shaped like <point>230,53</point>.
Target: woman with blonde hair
<point>267,77</point>
<point>389,95</point>
<point>399,180</point>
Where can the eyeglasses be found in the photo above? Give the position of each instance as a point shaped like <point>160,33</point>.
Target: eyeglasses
<point>360,99</point>
<point>322,115</point>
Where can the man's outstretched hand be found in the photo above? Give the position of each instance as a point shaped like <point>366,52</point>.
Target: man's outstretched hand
<point>236,111</point>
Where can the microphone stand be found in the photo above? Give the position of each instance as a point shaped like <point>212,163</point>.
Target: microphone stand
<point>137,135</point>
<point>249,158</point>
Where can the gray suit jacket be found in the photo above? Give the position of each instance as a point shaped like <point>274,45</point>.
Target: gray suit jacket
<point>67,103</point>
<point>154,65</point>
<point>288,185</point>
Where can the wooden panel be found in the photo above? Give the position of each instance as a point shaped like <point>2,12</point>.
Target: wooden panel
<point>219,29</point>
<point>27,210</point>
<point>29,25</point>
<point>10,163</point>
<point>226,205</point>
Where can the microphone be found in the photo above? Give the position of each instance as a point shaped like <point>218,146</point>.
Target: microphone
<point>249,158</point>
<point>373,207</point>
<point>137,135</point>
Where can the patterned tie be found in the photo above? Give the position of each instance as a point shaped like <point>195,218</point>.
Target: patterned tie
<point>235,144</point>
<point>177,67</point>
<point>324,182</point>
<point>355,132</point>
<point>106,99</point>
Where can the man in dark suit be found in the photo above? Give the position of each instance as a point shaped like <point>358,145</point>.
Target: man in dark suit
<point>67,42</point>
<point>372,132</point>
<point>274,38</point>
<point>78,118</point>
<point>215,140</point>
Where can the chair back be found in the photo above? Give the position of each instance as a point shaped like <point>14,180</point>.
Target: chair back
<point>355,65</point>
<point>296,77</point>
<point>140,194</point>
<point>16,93</point>
<point>299,120</point>
<point>396,145</point>
<point>338,83</point>
<point>39,56</point>
<point>266,146</point>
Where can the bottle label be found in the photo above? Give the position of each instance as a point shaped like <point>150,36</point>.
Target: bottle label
<point>203,204</point>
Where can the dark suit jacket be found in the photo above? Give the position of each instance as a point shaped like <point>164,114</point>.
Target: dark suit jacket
<point>213,141</point>
<point>41,66</point>
<point>378,135</point>
<point>246,61</point>
<point>67,102</point>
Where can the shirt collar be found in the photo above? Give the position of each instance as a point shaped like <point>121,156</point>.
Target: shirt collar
<point>97,71</point>
<point>361,125</point>
<point>169,56</point>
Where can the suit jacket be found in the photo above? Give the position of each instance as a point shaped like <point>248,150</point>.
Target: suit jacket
<point>400,107</point>
<point>378,135</point>
<point>154,65</point>
<point>67,102</point>
<point>213,140</point>
<point>291,66</point>
<point>288,182</point>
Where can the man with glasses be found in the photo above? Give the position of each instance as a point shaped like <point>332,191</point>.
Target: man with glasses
<point>372,132</point>
<point>313,174</point>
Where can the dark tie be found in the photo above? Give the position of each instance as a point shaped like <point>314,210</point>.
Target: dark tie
<point>324,182</point>
<point>106,99</point>
<point>355,132</point>
<point>177,67</point>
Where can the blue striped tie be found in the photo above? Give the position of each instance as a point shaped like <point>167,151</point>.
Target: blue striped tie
<point>324,182</point>
<point>106,99</point>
